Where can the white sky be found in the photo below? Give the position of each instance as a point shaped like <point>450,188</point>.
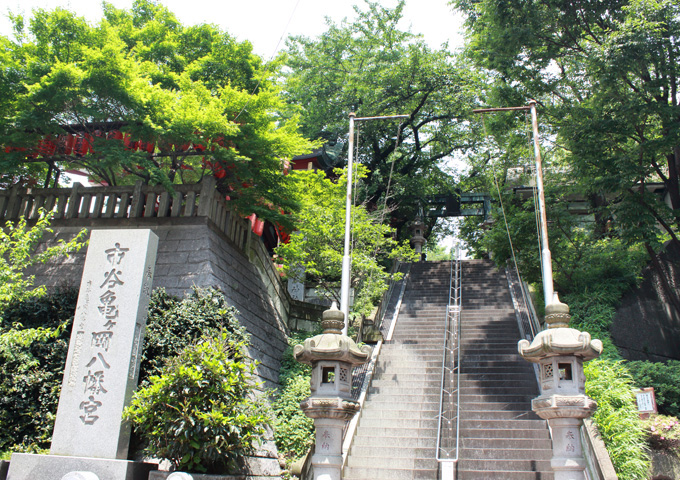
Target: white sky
<point>263,22</point>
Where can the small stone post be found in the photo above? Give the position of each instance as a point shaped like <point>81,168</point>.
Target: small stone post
<point>418,237</point>
<point>560,352</point>
<point>332,357</point>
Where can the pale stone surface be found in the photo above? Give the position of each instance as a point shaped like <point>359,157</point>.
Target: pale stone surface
<point>25,466</point>
<point>102,366</point>
<point>80,476</point>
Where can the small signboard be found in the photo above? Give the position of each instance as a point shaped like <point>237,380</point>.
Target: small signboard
<point>646,402</point>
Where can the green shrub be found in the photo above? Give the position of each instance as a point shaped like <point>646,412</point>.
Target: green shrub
<point>175,323</point>
<point>665,378</point>
<point>293,430</point>
<point>34,337</point>
<point>200,413</point>
<point>617,419</point>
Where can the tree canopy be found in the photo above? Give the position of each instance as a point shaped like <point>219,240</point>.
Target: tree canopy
<point>314,253</point>
<point>139,95</point>
<point>606,75</point>
<point>372,67</point>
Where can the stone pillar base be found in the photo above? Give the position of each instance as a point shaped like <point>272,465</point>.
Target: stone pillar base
<point>567,461</point>
<point>24,466</point>
<point>327,458</point>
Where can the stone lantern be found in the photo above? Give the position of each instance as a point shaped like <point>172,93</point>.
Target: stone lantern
<point>332,357</point>
<point>560,352</point>
<point>418,234</point>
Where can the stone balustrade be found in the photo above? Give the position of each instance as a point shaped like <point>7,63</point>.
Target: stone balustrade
<point>126,202</point>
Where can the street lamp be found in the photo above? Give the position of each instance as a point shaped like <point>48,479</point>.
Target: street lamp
<point>346,261</point>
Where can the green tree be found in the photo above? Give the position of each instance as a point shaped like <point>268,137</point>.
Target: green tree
<point>18,251</point>
<point>315,250</point>
<point>371,67</point>
<point>606,75</point>
<point>147,98</point>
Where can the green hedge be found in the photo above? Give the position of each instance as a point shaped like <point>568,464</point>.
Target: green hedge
<point>34,337</point>
<point>293,430</point>
<point>665,378</point>
<point>617,418</point>
<point>200,412</point>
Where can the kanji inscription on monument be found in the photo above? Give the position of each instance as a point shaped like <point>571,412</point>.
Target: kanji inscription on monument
<point>102,366</point>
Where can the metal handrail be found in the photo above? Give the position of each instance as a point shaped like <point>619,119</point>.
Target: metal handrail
<point>451,352</point>
<point>524,308</point>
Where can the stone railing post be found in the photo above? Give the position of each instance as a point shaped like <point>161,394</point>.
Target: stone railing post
<point>137,207</point>
<point>74,201</point>
<point>206,195</point>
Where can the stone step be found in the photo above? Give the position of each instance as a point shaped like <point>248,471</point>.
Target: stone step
<point>506,453</point>
<point>362,473</point>
<point>480,414</point>
<point>467,424</point>
<point>479,399</point>
<point>542,434</point>
<point>503,443</point>
<point>424,423</point>
<point>408,377</point>
<point>383,431</point>
<point>391,458</point>
<point>399,414</point>
<point>467,405</point>
<point>410,442</point>
<point>463,474</point>
<point>495,391</point>
<point>499,466</point>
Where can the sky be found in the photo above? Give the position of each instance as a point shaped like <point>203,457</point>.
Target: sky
<point>264,22</point>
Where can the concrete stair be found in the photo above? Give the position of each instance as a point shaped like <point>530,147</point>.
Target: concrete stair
<point>396,435</point>
<point>501,438</point>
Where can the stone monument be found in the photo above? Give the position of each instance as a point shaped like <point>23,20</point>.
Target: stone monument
<point>332,357</point>
<point>90,440</point>
<point>560,352</point>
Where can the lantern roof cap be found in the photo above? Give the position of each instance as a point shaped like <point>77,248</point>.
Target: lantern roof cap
<point>560,342</point>
<point>331,344</point>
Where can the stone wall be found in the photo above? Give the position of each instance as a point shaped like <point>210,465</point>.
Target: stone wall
<point>192,251</point>
<point>646,325</point>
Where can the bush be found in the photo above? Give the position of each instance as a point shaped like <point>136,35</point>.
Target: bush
<point>617,419</point>
<point>175,323</point>
<point>200,413</point>
<point>293,430</point>
<point>34,337</point>
<point>663,433</point>
<point>665,378</point>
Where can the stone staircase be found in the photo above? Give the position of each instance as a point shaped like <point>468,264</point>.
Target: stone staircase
<point>500,437</point>
<point>396,435</point>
